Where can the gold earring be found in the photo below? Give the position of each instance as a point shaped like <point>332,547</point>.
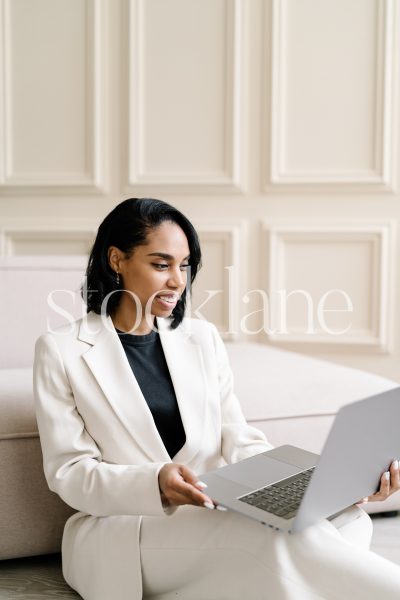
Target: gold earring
<point>117,278</point>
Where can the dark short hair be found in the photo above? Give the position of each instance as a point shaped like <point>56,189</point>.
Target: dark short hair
<point>126,227</point>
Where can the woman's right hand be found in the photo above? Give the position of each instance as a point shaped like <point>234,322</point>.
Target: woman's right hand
<point>179,485</point>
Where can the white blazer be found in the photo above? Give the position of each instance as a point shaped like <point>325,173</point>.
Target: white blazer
<point>101,449</point>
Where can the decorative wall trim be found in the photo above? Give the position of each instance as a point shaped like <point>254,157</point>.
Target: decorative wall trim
<point>137,177</point>
<point>380,234</point>
<point>3,116</point>
<point>94,180</point>
<point>12,234</point>
<point>230,235</point>
<point>383,176</point>
<point>42,263</point>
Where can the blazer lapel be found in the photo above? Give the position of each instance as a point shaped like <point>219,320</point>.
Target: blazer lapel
<point>186,367</point>
<point>107,361</point>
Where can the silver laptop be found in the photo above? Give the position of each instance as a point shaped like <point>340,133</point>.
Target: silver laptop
<point>289,488</point>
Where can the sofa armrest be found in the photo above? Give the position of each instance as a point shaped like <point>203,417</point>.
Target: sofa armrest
<point>32,518</point>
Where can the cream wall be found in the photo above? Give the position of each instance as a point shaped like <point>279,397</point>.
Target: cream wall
<point>272,124</point>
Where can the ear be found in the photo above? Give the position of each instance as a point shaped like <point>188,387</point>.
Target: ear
<point>114,255</point>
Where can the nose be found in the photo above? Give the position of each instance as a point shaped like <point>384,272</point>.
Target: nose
<point>177,278</point>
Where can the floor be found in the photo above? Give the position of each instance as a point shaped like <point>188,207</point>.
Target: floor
<point>40,577</point>
<point>34,578</point>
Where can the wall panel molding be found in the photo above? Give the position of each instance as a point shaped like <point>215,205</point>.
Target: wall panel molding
<point>46,238</point>
<point>93,178</point>
<point>229,236</point>
<point>224,241</point>
<point>377,235</point>
<point>382,176</point>
<point>139,175</point>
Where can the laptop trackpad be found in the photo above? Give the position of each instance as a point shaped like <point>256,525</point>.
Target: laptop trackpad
<point>258,471</point>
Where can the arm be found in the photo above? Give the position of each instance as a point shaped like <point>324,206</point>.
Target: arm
<point>72,461</point>
<point>239,440</point>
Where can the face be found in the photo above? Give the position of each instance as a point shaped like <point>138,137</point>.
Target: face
<point>156,272</point>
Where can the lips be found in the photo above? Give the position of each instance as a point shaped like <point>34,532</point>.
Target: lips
<point>170,298</point>
<point>167,301</point>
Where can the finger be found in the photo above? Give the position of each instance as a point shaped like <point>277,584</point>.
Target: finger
<point>363,500</point>
<point>177,485</point>
<point>192,493</point>
<point>390,482</point>
<point>190,485</point>
<point>174,498</point>
<point>188,475</point>
<point>201,485</point>
<point>384,489</point>
<point>203,500</point>
<point>185,483</point>
<point>394,476</point>
<point>185,493</point>
<point>179,492</point>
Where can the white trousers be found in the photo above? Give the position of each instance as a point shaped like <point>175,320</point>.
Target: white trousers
<point>199,554</point>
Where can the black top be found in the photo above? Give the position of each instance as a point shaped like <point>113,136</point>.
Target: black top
<point>146,358</point>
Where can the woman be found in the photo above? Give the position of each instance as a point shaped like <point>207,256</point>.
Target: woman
<point>131,404</point>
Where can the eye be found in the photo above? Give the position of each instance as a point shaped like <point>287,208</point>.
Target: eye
<point>160,266</point>
<point>184,267</point>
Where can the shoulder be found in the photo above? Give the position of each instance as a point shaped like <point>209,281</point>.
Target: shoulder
<point>51,345</point>
<point>195,331</point>
<point>198,329</point>
<point>188,328</point>
<point>85,329</point>
<point>203,333</point>
<point>69,330</point>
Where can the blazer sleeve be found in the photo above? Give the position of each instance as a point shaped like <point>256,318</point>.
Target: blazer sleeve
<point>239,440</point>
<point>72,461</point>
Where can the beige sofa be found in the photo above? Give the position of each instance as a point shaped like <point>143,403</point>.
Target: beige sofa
<point>292,398</point>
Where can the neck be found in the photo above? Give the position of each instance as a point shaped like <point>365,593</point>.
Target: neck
<point>125,319</point>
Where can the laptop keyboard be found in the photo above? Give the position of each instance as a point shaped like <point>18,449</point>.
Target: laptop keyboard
<point>282,498</point>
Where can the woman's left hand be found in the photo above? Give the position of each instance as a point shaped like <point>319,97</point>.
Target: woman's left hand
<point>390,483</point>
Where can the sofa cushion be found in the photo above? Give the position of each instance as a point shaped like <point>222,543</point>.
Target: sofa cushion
<point>272,383</point>
<point>269,382</point>
<point>17,412</point>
